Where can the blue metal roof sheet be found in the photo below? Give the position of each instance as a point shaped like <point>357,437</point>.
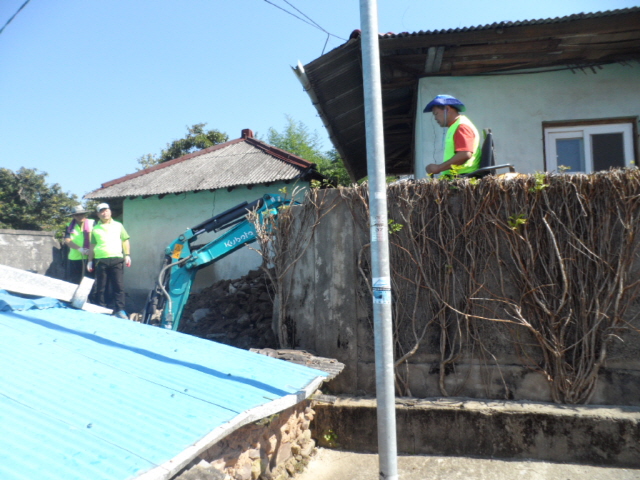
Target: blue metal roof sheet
<point>87,396</point>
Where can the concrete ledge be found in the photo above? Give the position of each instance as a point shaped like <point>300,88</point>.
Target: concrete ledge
<point>596,435</point>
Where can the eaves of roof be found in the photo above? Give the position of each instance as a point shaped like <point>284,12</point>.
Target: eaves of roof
<point>582,41</point>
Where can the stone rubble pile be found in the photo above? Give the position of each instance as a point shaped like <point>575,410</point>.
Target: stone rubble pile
<point>234,312</point>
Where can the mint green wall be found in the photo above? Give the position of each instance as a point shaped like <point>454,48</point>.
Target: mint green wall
<point>155,222</point>
<point>514,107</point>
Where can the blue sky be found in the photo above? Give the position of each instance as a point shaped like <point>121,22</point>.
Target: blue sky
<point>89,86</point>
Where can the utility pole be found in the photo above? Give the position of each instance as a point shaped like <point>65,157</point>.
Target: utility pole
<point>380,271</point>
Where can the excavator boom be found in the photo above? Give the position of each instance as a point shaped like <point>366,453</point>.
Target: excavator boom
<point>182,263</point>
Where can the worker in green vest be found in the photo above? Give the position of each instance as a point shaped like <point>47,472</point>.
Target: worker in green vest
<point>461,142</point>
<point>77,237</point>
<point>111,251</point>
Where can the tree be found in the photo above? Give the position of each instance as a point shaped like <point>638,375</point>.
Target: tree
<point>28,203</point>
<point>297,139</point>
<point>196,139</point>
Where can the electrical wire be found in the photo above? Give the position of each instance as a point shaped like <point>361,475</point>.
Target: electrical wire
<point>305,16</point>
<point>309,21</point>
<point>14,16</point>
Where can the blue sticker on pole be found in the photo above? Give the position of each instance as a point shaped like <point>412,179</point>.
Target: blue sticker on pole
<point>382,290</point>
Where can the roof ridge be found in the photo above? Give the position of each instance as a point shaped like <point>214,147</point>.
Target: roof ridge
<point>280,153</point>
<point>169,163</point>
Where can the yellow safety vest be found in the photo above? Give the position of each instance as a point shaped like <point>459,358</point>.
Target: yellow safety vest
<point>473,163</point>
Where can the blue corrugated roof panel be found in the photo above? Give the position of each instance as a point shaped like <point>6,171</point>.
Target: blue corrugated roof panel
<point>88,396</point>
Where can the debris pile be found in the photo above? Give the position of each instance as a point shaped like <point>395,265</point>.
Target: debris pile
<point>234,312</point>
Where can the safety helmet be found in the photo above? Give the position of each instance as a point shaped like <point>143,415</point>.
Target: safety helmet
<point>442,100</point>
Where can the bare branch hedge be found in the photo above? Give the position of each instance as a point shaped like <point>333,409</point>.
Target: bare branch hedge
<point>552,260</point>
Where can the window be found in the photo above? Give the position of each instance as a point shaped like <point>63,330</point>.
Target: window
<point>588,147</point>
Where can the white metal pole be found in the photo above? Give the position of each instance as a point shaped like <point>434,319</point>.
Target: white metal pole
<point>381,278</point>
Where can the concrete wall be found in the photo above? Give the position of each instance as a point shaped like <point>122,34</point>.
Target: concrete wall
<point>36,252</point>
<point>514,107</point>
<point>154,222</point>
<point>328,312</point>
<point>511,430</point>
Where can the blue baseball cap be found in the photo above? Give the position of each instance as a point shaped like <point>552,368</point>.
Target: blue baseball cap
<point>442,100</point>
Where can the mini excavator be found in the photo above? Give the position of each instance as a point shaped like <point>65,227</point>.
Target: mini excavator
<point>182,261</point>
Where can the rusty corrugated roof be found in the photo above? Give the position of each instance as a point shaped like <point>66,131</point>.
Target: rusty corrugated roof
<point>244,161</point>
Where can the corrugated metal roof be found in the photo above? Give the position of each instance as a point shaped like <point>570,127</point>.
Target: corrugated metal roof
<point>507,23</point>
<point>87,396</point>
<point>244,161</point>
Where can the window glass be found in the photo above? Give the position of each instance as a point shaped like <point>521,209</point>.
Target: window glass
<point>570,153</point>
<point>607,151</point>
<point>588,147</point>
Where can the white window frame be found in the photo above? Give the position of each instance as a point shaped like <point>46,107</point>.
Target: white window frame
<point>583,131</point>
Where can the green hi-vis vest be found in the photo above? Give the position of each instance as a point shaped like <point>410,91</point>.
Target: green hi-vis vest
<point>107,239</point>
<point>473,163</point>
<point>77,237</point>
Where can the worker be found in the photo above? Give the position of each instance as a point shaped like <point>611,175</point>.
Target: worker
<point>77,237</point>
<point>462,141</point>
<point>110,250</point>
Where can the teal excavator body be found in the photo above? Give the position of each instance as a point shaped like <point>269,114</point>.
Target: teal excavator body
<point>181,262</point>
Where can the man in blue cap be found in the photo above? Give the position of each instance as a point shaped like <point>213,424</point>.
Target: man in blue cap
<point>462,141</point>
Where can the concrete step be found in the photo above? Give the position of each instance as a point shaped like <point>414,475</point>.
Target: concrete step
<point>587,434</point>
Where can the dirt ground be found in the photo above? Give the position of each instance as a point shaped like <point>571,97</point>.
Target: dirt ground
<point>338,465</point>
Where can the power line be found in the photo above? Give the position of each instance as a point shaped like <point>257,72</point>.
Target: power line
<point>14,16</point>
<point>305,16</point>
<point>309,21</point>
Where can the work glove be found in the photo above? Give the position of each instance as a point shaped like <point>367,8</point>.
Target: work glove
<point>127,260</point>
<point>84,251</point>
<point>89,266</point>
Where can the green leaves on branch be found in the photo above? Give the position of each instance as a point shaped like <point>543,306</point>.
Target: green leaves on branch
<point>540,184</point>
<point>196,139</point>
<point>27,202</point>
<point>516,221</point>
<point>296,139</point>
<point>394,227</point>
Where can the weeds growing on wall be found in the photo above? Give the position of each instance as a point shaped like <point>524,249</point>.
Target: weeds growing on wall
<point>550,260</point>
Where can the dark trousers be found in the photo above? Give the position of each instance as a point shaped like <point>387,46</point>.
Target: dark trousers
<point>109,272</point>
<point>76,270</point>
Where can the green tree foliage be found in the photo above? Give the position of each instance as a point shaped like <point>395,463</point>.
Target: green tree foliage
<point>335,169</point>
<point>28,203</point>
<point>196,139</point>
<point>296,139</point>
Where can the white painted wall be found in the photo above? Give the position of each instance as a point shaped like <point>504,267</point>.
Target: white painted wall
<point>153,223</point>
<point>514,107</point>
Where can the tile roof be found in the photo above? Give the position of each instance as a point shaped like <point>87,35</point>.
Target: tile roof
<point>244,161</point>
<point>87,396</point>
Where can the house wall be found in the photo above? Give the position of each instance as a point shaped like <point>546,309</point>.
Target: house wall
<point>153,223</point>
<point>514,107</point>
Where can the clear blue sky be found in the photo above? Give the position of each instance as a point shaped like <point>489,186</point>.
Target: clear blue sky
<point>89,86</point>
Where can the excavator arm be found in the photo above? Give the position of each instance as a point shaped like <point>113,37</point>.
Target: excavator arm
<point>182,262</point>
